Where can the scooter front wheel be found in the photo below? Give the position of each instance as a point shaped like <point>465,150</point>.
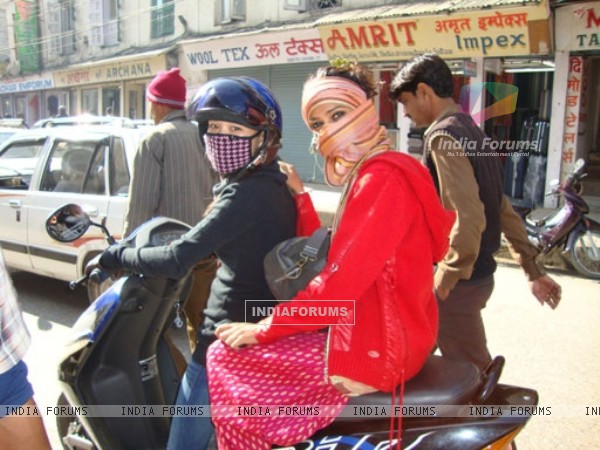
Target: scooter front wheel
<point>585,253</point>
<point>70,430</point>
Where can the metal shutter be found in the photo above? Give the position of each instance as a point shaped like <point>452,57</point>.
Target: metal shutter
<point>286,82</point>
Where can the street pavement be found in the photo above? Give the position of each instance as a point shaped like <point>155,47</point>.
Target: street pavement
<point>555,352</point>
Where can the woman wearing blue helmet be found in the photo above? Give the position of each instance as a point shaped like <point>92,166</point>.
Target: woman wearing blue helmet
<point>240,124</point>
<point>239,121</point>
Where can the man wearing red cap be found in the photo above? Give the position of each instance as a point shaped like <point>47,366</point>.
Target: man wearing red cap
<point>172,178</point>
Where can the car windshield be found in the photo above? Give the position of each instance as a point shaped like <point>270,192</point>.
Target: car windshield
<point>85,120</point>
<point>21,158</point>
<point>5,134</point>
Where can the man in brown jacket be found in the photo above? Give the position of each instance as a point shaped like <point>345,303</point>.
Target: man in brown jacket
<point>470,180</point>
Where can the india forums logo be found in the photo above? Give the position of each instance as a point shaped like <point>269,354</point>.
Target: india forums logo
<point>472,95</point>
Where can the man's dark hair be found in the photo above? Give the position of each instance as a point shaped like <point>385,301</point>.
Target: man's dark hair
<point>429,69</point>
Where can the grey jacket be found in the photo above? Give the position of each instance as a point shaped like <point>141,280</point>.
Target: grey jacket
<point>171,174</point>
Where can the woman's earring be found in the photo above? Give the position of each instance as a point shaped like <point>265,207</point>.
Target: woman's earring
<point>313,148</point>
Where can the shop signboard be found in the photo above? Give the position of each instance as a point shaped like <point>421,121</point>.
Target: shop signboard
<point>118,69</point>
<point>579,28</point>
<point>575,113</point>
<point>298,46</point>
<point>27,84</point>
<point>493,33</point>
<point>27,35</point>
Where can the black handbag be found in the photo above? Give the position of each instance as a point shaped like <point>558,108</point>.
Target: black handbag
<point>291,264</point>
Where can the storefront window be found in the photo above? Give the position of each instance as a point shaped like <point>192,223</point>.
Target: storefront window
<point>133,99</point>
<point>388,111</point>
<point>89,101</point>
<point>72,109</point>
<point>52,105</point>
<point>21,107</point>
<point>6,109</point>
<point>111,101</point>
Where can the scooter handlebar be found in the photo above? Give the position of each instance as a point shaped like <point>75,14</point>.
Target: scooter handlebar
<point>78,282</point>
<point>98,276</point>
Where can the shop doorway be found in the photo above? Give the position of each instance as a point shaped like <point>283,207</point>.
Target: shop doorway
<point>523,135</point>
<point>52,105</point>
<point>590,137</point>
<point>136,102</point>
<point>89,101</point>
<point>111,101</point>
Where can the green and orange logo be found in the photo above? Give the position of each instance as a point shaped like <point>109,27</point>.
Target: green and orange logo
<point>505,96</point>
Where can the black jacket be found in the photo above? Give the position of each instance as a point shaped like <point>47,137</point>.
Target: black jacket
<point>489,174</point>
<point>249,217</point>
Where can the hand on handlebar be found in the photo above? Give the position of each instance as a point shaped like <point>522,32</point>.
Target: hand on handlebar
<point>93,267</point>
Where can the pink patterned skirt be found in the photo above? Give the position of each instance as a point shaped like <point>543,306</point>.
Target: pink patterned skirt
<point>271,394</point>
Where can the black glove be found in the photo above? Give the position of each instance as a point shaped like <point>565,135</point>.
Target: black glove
<point>107,262</point>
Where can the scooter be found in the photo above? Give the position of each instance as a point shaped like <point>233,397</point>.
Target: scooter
<point>118,360</point>
<point>568,229</point>
<point>117,354</point>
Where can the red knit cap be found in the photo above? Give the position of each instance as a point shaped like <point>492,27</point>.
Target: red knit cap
<point>167,88</point>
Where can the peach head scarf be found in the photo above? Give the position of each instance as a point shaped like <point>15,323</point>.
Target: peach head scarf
<point>343,143</point>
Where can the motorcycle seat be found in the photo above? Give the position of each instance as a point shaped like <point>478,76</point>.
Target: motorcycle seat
<point>441,381</point>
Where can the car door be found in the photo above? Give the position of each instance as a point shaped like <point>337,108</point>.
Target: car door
<point>18,161</point>
<point>73,173</point>
<point>118,178</point>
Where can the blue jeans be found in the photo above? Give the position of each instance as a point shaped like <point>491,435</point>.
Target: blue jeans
<point>15,388</point>
<point>191,432</point>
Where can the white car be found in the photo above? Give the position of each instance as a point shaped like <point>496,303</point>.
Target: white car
<point>42,169</point>
<point>6,132</point>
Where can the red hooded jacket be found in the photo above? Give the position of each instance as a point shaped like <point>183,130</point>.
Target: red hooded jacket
<point>392,232</point>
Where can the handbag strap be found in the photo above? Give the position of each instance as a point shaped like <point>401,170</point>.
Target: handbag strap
<point>309,252</point>
<point>314,243</point>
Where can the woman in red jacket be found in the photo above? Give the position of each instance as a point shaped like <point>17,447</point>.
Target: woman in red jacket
<point>389,231</point>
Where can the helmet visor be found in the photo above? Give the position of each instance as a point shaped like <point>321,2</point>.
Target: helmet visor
<point>230,100</point>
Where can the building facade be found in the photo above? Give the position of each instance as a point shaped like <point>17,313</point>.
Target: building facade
<point>90,55</point>
<point>575,131</point>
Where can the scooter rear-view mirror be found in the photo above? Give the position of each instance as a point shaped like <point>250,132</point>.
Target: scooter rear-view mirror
<point>68,223</point>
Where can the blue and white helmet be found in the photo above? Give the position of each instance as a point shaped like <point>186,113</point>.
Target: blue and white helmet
<point>241,100</point>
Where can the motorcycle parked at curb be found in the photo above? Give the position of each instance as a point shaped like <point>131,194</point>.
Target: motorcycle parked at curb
<point>117,362</point>
<point>568,229</point>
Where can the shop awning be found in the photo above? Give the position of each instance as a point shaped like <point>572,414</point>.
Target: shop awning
<point>417,8</point>
<point>133,56</point>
